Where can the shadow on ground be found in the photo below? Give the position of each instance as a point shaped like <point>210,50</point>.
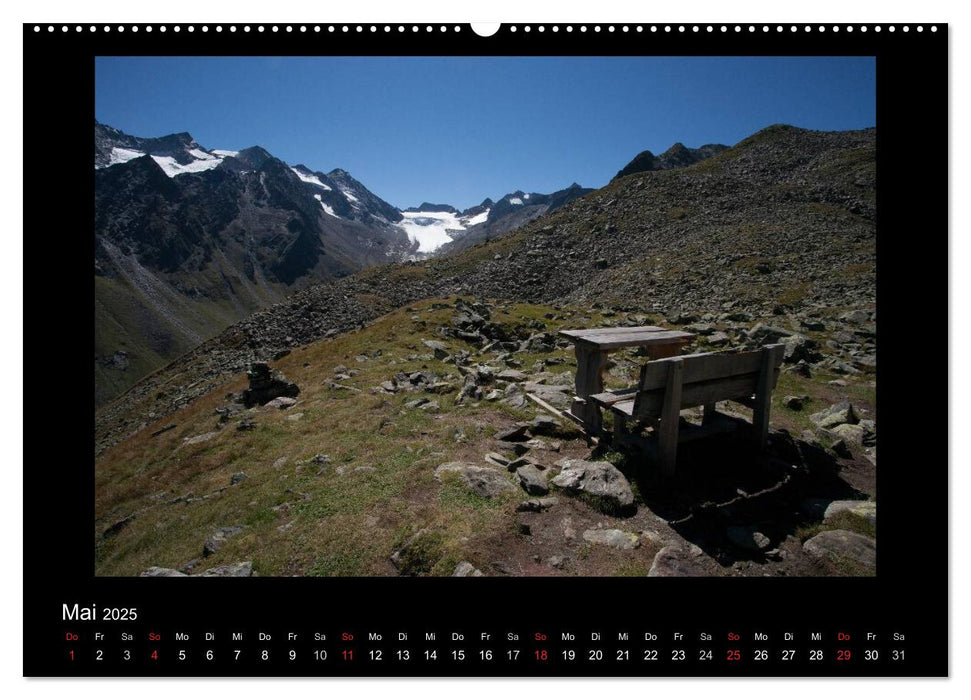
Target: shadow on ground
<point>724,483</point>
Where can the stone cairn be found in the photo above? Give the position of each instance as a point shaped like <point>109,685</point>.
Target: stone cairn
<point>265,385</point>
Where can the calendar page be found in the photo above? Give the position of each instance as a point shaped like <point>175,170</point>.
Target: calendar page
<point>586,314</point>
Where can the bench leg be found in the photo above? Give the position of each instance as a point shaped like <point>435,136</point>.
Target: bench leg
<point>670,419</point>
<point>763,397</point>
<point>709,413</point>
<point>621,431</point>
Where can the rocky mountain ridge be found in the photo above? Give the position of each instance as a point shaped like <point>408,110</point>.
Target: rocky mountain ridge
<point>781,225</point>
<point>678,156</point>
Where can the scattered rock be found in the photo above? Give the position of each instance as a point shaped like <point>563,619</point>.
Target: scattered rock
<point>618,539</point>
<point>836,414</point>
<point>464,568</point>
<point>794,403</point>
<point>850,433</point>
<point>557,395</point>
<point>238,570</point>
<point>515,434</point>
<point>497,459</point>
<point>439,348</point>
<point>843,544</point>
<point>281,402</point>
<point>218,538</point>
<point>237,478</point>
<point>748,537</point>
<point>602,482</point>
<point>557,561</point>
<point>863,509</point>
<point>543,424</point>
<point>532,480</point>
<point>196,439</point>
<point>718,339</point>
<point>537,505</point>
<point>157,571</point>
<point>482,481</point>
<point>245,425</point>
<point>672,561</point>
<point>856,316</point>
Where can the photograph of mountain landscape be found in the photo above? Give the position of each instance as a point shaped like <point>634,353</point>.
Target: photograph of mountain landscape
<point>466,316</point>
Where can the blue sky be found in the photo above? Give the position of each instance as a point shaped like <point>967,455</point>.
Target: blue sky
<point>456,130</point>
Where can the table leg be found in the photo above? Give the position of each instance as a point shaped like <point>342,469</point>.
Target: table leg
<point>589,380</point>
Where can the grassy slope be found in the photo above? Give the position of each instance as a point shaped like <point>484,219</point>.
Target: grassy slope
<point>348,524</point>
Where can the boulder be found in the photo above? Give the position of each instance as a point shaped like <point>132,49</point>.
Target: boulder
<point>218,538</point>
<point>837,414</point>
<point>537,505</point>
<point>543,424</point>
<point>497,459</point>
<point>557,395</point>
<point>601,482</point>
<point>482,481</point>
<point>240,569</point>
<point>748,537</point>
<point>464,568</point>
<point>863,509</point>
<point>672,561</point>
<point>618,539</point>
<point>855,316</point>
<point>843,544</point>
<point>532,480</point>
<point>515,434</point>
<point>281,402</point>
<point>850,433</point>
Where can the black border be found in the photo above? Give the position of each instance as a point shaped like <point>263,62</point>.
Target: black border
<point>909,594</point>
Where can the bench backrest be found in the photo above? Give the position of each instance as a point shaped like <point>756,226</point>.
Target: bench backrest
<point>707,377</point>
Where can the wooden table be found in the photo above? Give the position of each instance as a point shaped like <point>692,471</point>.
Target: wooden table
<point>592,345</point>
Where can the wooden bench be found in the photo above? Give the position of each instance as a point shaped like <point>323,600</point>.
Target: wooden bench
<point>668,385</point>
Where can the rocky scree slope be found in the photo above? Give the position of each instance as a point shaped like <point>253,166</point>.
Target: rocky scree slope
<point>781,224</point>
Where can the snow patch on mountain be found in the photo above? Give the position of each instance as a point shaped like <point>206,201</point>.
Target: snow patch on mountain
<point>312,179</point>
<point>479,218</point>
<point>515,200</point>
<point>199,154</point>
<point>173,168</point>
<point>123,155</point>
<point>327,207</point>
